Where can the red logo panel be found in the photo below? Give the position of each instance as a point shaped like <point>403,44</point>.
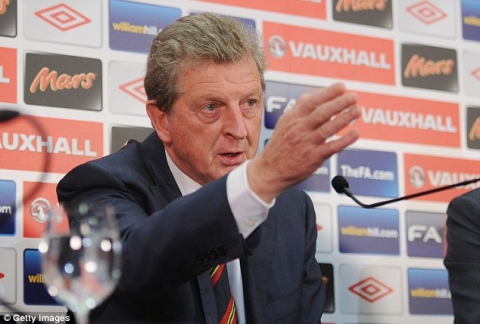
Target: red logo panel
<point>306,8</point>
<point>329,54</point>
<point>8,75</point>
<point>424,172</point>
<point>408,120</point>
<point>65,143</point>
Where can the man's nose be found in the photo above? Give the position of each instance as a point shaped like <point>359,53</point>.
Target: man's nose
<point>234,122</point>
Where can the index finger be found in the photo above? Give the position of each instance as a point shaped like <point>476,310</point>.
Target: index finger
<point>315,99</point>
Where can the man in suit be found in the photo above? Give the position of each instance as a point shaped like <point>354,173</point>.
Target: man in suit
<point>462,259</point>
<point>195,194</point>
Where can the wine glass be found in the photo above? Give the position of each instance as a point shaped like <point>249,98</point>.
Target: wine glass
<point>81,256</point>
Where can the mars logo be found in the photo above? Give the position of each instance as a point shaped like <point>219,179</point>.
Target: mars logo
<point>135,89</point>
<point>425,232</point>
<point>370,289</point>
<point>429,67</point>
<point>8,18</point>
<point>473,127</point>
<point>62,17</point>
<point>426,12</point>
<point>63,81</point>
<point>3,6</point>
<point>373,13</point>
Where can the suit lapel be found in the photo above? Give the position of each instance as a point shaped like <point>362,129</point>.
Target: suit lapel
<point>256,269</point>
<point>165,190</point>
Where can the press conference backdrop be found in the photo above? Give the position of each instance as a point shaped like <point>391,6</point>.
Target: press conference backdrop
<point>78,66</point>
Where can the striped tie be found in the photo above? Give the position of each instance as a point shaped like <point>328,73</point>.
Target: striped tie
<point>223,296</point>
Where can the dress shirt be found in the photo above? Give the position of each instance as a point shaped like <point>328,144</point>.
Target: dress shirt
<point>248,209</point>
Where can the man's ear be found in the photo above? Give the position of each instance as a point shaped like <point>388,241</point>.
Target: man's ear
<point>159,120</point>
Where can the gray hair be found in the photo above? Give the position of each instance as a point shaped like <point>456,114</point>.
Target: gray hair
<point>192,41</point>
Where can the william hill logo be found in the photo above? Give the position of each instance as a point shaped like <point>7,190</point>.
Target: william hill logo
<point>429,67</point>
<point>63,81</point>
<point>371,12</point>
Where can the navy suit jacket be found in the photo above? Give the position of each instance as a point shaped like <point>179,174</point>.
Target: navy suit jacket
<point>463,256</point>
<point>170,242</point>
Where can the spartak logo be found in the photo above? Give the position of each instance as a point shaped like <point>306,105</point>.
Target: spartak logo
<point>420,66</point>
<point>45,77</point>
<point>360,5</point>
<point>3,6</point>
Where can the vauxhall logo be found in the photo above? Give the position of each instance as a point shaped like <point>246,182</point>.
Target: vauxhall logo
<point>327,53</point>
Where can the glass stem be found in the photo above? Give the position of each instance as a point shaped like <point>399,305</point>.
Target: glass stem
<point>81,317</point>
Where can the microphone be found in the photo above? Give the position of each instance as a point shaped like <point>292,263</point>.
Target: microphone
<point>340,184</point>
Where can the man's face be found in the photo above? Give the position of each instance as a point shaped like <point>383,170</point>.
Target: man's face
<point>215,123</point>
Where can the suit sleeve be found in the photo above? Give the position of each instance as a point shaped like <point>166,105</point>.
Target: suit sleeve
<point>462,259</point>
<point>313,296</point>
<point>163,246</point>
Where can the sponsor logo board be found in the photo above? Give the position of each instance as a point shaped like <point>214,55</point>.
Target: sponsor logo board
<point>133,26</point>
<point>324,228</point>
<point>70,22</point>
<point>62,145</point>
<point>429,292</point>
<point>425,234</point>
<point>63,81</point>
<point>325,53</point>
<point>329,282</point>
<point>408,120</point>
<point>372,290</point>
<point>471,19</point>
<point>306,8</point>
<point>435,18</point>
<point>8,207</point>
<point>37,208</point>
<point>429,67</point>
<point>369,173</point>
<point>8,275</point>
<point>120,135</point>
<point>471,72</point>
<point>371,13</point>
<point>8,18</point>
<point>125,88</point>
<point>473,127</point>
<point>8,74</point>
<point>34,291</point>
<point>368,231</point>
<point>423,172</point>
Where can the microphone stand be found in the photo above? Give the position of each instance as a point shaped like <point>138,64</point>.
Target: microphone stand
<point>347,192</point>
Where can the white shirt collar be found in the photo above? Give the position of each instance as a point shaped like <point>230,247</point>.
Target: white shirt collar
<point>186,184</point>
